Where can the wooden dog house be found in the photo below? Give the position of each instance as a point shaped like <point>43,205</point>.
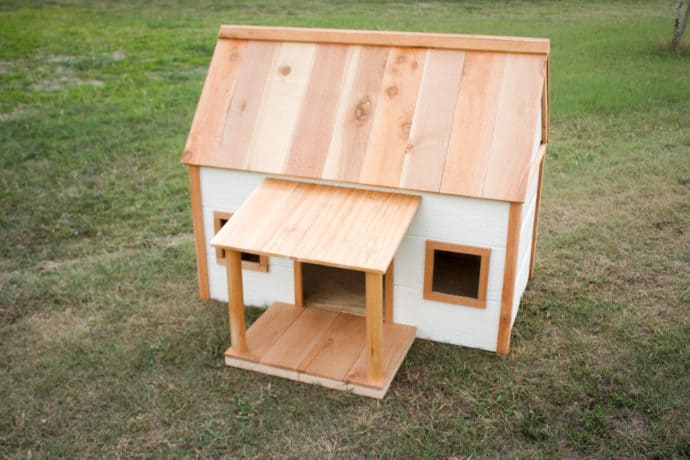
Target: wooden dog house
<point>319,160</point>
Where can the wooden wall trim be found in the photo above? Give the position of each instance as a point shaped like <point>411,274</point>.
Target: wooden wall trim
<point>380,38</point>
<point>535,227</point>
<point>199,239</point>
<point>430,294</point>
<point>545,106</point>
<point>509,275</point>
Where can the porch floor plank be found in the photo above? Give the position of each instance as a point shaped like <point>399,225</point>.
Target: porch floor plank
<point>320,346</point>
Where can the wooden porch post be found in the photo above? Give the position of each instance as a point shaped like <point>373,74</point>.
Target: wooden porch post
<point>233,263</point>
<point>374,321</point>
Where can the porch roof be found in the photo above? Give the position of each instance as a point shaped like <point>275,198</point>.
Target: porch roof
<point>322,224</point>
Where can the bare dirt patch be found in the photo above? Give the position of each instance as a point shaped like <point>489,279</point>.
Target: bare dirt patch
<point>64,82</point>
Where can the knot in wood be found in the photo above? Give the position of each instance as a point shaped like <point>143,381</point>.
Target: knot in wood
<point>392,91</point>
<point>284,70</point>
<point>363,109</point>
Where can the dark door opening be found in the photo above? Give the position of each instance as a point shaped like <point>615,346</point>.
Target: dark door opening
<point>334,288</point>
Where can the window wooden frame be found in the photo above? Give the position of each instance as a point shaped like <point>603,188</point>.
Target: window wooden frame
<point>430,294</point>
<point>260,266</point>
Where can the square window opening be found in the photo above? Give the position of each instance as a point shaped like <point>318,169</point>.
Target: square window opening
<point>456,274</point>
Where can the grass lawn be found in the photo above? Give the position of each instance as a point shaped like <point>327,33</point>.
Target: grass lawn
<point>105,349</point>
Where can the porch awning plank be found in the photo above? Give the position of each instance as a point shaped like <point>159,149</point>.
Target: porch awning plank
<point>323,224</point>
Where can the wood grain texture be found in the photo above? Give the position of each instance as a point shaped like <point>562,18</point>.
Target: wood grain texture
<point>509,275</point>
<point>396,341</point>
<point>199,239</point>
<point>379,38</point>
<point>340,348</point>
<point>355,114</point>
<point>372,115</point>
<point>238,338</point>
<point>335,358</point>
<point>209,118</point>
<point>322,224</point>
<point>511,144</point>
<point>267,329</point>
<point>425,155</point>
<point>317,116</point>
<point>280,106</point>
<point>296,345</point>
<point>246,102</point>
<point>475,116</point>
<point>374,320</point>
<point>388,139</point>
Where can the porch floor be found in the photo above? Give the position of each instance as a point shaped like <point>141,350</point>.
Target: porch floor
<point>316,345</point>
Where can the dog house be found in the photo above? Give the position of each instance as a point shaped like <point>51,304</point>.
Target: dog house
<point>368,188</point>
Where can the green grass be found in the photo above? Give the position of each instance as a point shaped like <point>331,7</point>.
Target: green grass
<point>106,351</point>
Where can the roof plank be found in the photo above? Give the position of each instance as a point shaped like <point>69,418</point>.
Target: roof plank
<point>393,117</point>
<point>317,116</point>
<point>354,120</point>
<point>280,105</point>
<point>244,108</point>
<point>475,115</point>
<point>433,121</point>
<point>513,136</point>
<point>209,119</point>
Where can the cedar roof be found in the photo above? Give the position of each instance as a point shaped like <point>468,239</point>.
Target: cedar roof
<point>451,114</point>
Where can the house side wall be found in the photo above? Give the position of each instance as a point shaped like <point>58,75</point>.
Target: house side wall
<point>465,221</point>
<point>526,230</point>
<point>525,248</point>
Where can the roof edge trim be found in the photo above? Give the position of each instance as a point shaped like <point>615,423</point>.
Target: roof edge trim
<point>384,38</point>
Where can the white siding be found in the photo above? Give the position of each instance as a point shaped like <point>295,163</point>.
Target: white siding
<point>466,221</point>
